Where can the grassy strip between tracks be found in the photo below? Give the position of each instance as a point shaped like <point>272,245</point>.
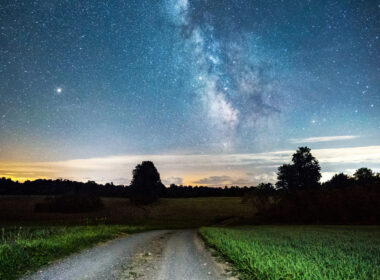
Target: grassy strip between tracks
<point>25,249</point>
<point>299,252</point>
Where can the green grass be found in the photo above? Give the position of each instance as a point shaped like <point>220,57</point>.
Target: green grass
<point>24,249</point>
<point>299,252</point>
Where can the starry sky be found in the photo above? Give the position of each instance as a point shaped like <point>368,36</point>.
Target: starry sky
<point>214,92</point>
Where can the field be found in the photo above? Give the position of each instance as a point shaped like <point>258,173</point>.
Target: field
<point>24,249</point>
<point>299,252</point>
<point>171,212</point>
<point>29,239</point>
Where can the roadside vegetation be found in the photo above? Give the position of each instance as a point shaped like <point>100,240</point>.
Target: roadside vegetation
<point>25,249</point>
<point>299,252</point>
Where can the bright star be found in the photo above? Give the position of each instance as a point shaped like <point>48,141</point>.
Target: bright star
<point>59,90</point>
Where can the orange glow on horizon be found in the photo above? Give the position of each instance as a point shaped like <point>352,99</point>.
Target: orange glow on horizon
<point>21,179</point>
<point>190,169</point>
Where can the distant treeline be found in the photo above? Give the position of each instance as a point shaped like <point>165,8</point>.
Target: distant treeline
<point>63,187</point>
<point>303,174</point>
<point>299,197</point>
<point>363,177</point>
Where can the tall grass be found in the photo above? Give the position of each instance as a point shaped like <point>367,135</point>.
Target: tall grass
<point>299,252</point>
<point>24,249</point>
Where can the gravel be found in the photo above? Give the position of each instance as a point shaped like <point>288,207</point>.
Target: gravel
<point>179,255</point>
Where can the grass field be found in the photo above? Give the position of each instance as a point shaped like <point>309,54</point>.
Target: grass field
<point>24,249</point>
<point>170,212</point>
<point>299,252</point>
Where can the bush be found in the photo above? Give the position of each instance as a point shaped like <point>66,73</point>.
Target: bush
<point>70,204</point>
<point>351,205</point>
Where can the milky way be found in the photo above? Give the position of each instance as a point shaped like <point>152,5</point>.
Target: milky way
<point>233,84</point>
<point>93,79</point>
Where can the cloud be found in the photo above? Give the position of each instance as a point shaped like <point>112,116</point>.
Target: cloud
<point>224,180</point>
<point>172,180</point>
<point>327,176</point>
<point>214,180</point>
<point>324,139</point>
<point>367,155</point>
<point>265,177</point>
<point>193,168</point>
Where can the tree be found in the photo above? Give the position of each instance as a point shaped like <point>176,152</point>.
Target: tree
<point>339,181</point>
<point>286,177</point>
<point>308,171</point>
<point>146,184</point>
<point>364,175</point>
<point>304,173</point>
<point>265,188</point>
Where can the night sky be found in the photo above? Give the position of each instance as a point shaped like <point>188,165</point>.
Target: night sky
<point>214,92</point>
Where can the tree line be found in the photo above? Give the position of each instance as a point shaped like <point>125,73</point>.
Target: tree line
<point>296,197</point>
<point>304,173</point>
<point>299,197</point>
<point>62,187</point>
<point>146,186</point>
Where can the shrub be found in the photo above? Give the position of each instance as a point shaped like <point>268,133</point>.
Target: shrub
<point>356,205</point>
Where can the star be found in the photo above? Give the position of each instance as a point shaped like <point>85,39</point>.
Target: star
<point>223,79</point>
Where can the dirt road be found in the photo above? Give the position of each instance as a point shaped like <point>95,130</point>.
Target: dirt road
<point>159,255</point>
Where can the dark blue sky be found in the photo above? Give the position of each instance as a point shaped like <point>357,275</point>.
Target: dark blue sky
<point>93,79</point>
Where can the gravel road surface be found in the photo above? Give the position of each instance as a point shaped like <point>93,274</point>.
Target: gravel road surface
<point>162,255</point>
<point>184,257</point>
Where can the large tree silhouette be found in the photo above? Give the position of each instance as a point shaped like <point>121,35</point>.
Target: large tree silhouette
<point>286,177</point>
<point>146,184</point>
<point>304,173</point>
<point>364,175</point>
